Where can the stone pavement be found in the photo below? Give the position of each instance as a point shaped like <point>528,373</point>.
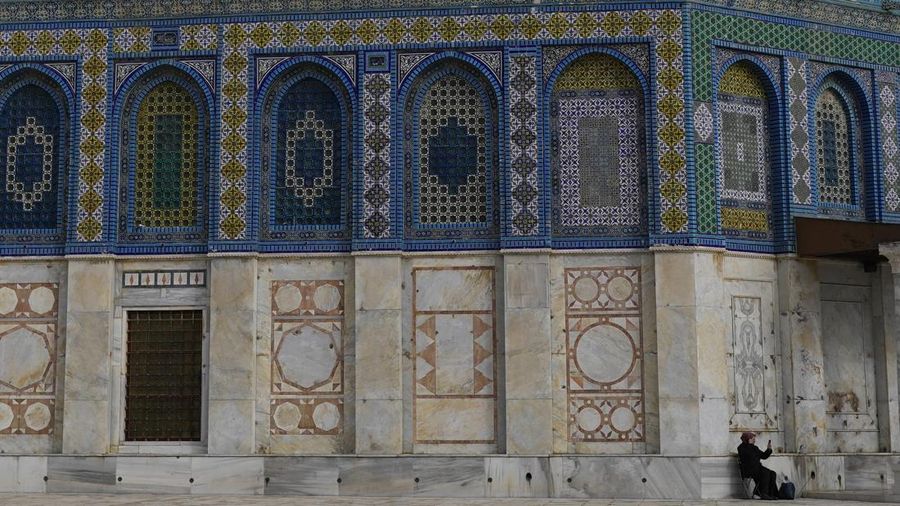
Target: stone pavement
<point>214,500</point>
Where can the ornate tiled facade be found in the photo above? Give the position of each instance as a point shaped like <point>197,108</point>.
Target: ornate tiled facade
<point>255,189</point>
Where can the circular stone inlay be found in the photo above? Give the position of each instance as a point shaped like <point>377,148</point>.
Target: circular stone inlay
<point>6,416</point>
<point>588,418</point>
<point>604,353</point>
<point>326,416</point>
<point>307,356</point>
<point>287,298</point>
<point>622,419</point>
<point>41,300</point>
<point>586,289</point>
<point>619,288</point>
<point>327,298</point>
<point>23,357</point>
<point>37,416</point>
<point>287,416</point>
<point>8,300</point>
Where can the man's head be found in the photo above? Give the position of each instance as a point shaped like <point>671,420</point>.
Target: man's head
<point>748,437</point>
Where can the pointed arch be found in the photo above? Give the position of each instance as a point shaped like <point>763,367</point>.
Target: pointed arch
<point>451,153</point>
<point>749,160</point>
<point>164,157</point>
<point>35,135</point>
<point>306,154</point>
<point>840,119</point>
<point>598,149</point>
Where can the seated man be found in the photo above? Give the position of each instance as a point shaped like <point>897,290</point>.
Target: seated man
<point>751,467</point>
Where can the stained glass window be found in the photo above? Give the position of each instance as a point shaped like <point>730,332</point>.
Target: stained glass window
<point>33,136</point>
<point>306,154</point>
<point>166,163</point>
<point>597,149</point>
<point>836,140</point>
<point>744,152</point>
<point>310,156</point>
<point>451,152</point>
<point>163,160</point>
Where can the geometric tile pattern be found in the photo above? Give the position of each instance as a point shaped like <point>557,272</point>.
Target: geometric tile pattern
<point>28,315</point>
<point>604,350</point>
<point>454,354</point>
<point>307,366</point>
<point>663,25</point>
<point>376,155</point>
<point>707,183</point>
<point>743,126</point>
<point>703,123</point>
<point>198,37</point>
<point>887,96</point>
<point>833,14</point>
<point>707,25</point>
<point>597,149</point>
<point>797,94</point>
<point>134,39</point>
<point>523,149</point>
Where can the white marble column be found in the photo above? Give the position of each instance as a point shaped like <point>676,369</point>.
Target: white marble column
<point>88,323</point>
<point>804,380</point>
<point>688,291</point>
<point>887,388</point>
<point>379,387</point>
<point>232,350</point>
<point>529,421</point>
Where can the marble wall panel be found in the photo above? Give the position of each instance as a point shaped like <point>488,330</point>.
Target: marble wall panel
<point>29,355</point>
<point>305,355</point>
<point>605,355</point>
<point>307,366</point>
<point>561,359</point>
<point>849,367</point>
<point>454,350</point>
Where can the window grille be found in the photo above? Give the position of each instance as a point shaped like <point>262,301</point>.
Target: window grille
<point>163,394</point>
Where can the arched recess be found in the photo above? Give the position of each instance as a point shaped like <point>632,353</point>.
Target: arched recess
<point>35,135</point>
<point>748,158</point>
<point>306,156</point>
<point>164,159</point>
<point>598,152</point>
<point>840,138</point>
<point>450,155</point>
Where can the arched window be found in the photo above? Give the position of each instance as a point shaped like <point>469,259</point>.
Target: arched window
<point>451,155</point>
<point>598,153</point>
<point>745,155</point>
<point>839,147</point>
<point>34,134</point>
<point>306,157</point>
<point>164,175</point>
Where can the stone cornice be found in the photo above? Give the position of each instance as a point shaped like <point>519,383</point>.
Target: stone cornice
<point>865,16</point>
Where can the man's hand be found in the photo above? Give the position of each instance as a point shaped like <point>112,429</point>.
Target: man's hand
<point>769,446</point>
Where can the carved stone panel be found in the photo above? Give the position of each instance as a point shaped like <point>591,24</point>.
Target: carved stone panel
<point>754,357</point>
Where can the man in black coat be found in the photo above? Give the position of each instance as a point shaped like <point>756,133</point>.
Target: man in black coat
<point>751,467</point>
